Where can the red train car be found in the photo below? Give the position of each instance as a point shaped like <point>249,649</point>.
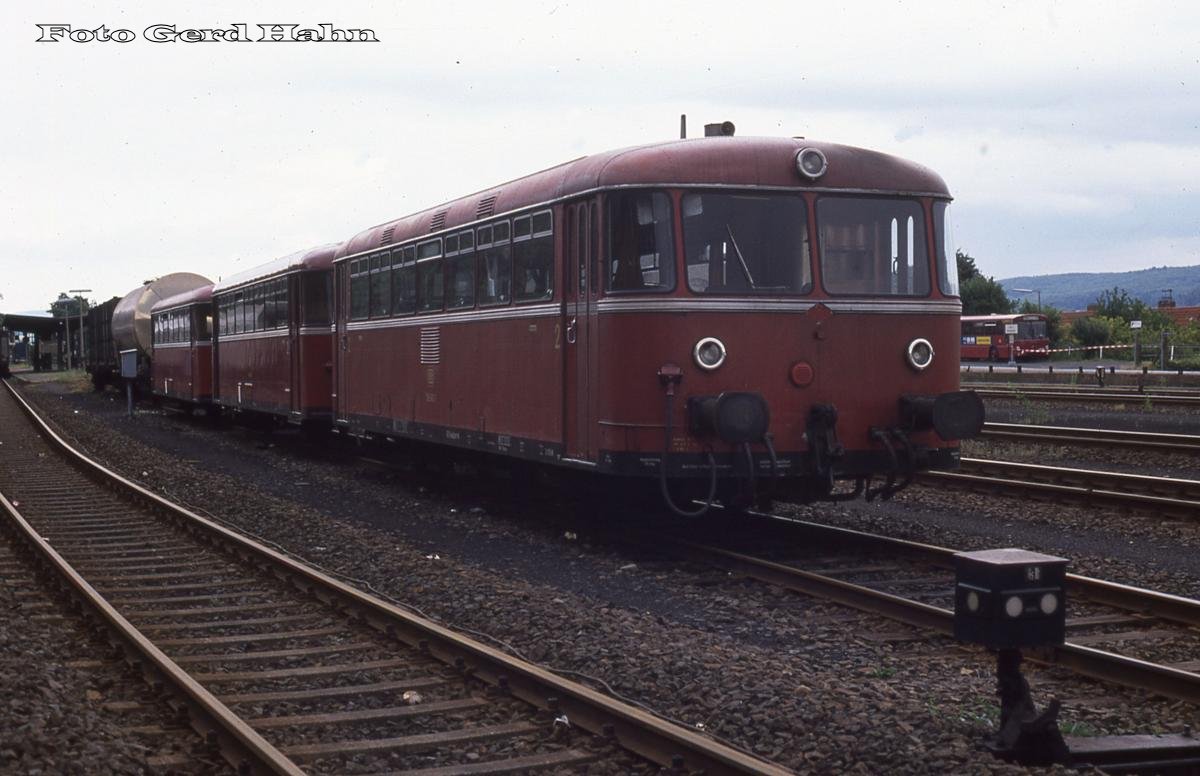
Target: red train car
<point>274,340</point>
<point>181,336</point>
<point>722,315</point>
<point>984,337</point>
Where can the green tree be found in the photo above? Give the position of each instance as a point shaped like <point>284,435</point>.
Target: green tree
<point>984,296</point>
<point>966,266</point>
<point>1091,331</point>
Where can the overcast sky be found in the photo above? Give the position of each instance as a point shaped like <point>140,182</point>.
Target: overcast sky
<point>1069,133</point>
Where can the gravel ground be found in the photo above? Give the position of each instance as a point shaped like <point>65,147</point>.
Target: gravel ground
<point>815,687</point>
<point>67,709</point>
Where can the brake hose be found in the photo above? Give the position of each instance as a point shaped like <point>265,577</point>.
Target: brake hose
<point>662,470</point>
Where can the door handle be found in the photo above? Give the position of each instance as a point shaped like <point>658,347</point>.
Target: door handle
<point>571,327</point>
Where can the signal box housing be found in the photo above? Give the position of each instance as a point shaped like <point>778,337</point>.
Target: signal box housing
<point>1010,598</point>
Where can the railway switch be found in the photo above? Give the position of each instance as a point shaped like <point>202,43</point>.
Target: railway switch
<point>1004,600</point>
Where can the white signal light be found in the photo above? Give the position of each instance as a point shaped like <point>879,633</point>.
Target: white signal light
<point>811,163</point>
<point>1049,603</point>
<point>972,601</point>
<point>1014,606</point>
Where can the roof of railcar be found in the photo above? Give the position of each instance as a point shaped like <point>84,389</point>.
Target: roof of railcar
<point>195,296</point>
<point>710,161</point>
<point>317,258</point>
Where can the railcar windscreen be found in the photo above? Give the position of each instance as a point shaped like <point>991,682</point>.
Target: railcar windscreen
<point>947,258</point>
<point>873,246</point>
<point>746,243</point>
<point>640,241</point>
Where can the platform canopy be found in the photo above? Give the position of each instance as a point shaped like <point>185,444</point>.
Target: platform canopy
<point>43,325</point>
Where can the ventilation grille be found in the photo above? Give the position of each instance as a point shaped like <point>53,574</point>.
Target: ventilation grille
<point>431,345</point>
<point>486,207</point>
<point>439,220</point>
<point>387,235</point>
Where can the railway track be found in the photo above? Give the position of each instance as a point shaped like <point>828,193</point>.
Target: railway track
<point>1126,440</point>
<point>1153,397</point>
<point>288,670</point>
<point>1115,633</point>
<point>1168,496</point>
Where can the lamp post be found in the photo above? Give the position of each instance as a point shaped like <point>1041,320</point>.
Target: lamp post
<point>82,346</point>
<point>1037,291</point>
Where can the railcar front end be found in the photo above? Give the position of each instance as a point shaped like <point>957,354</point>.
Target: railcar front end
<point>799,338</point>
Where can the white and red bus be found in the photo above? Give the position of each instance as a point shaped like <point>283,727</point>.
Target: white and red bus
<point>984,337</point>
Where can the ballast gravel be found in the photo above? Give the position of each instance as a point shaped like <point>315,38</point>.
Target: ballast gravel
<point>812,686</point>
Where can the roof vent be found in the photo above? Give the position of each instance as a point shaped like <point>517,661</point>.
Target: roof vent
<point>725,128</point>
<point>386,237</point>
<point>439,220</point>
<point>486,206</point>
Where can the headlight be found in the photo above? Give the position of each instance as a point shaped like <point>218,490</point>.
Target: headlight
<point>972,602</point>
<point>811,163</point>
<point>1014,606</point>
<point>709,353</point>
<point>1049,603</point>
<point>920,354</point>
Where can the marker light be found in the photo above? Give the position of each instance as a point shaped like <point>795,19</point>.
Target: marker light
<point>1014,606</point>
<point>972,601</point>
<point>811,163</point>
<point>920,354</point>
<point>1049,603</point>
<point>709,353</point>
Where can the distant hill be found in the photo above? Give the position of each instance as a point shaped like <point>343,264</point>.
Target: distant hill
<point>1076,290</point>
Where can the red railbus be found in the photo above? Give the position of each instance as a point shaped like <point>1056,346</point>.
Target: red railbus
<point>272,351</point>
<point>984,337</point>
<point>181,334</point>
<point>714,316</point>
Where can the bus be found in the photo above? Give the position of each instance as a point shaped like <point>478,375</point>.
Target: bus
<point>984,337</point>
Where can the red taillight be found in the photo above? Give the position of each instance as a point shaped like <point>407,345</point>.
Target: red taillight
<point>801,374</point>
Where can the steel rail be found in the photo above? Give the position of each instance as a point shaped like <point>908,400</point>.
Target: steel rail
<point>1116,389</point>
<point>1097,664</point>
<point>631,728</point>
<point>1162,399</point>
<point>1084,485</point>
<point>1139,440</point>
<point>210,716</point>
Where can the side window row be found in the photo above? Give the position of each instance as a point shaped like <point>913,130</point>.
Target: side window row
<point>175,326</point>
<point>490,265</point>
<point>261,307</point>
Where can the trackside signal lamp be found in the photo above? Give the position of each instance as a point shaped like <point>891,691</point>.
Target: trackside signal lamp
<point>811,163</point>
<point>1005,600</point>
<point>1009,598</point>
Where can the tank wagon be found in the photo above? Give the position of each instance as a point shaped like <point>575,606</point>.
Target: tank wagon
<point>722,316</point>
